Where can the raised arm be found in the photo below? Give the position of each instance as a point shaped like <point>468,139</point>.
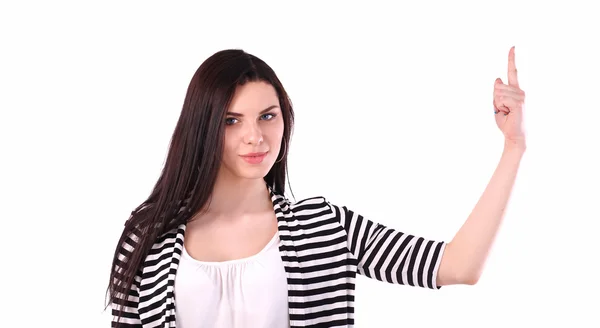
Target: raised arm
<point>465,255</point>
<point>392,256</point>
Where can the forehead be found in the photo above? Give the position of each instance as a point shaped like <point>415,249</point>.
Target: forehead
<point>253,96</point>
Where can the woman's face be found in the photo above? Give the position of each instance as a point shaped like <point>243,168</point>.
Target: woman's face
<point>253,131</point>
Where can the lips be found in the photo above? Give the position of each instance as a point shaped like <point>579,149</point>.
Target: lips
<point>254,158</point>
<point>254,154</point>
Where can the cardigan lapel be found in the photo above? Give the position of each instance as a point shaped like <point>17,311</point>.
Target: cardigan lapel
<point>286,223</point>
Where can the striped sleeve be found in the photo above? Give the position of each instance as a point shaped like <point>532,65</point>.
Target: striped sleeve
<point>129,318</point>
<point>389,255</point>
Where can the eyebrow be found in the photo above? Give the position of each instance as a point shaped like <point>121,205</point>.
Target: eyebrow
<point>261,112</point>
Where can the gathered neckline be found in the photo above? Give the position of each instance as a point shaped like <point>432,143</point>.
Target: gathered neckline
<point>235,261</point>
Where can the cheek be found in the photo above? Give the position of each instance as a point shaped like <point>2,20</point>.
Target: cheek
<point>276,130</point>
<point>230,144</point>
<point>275,136</point>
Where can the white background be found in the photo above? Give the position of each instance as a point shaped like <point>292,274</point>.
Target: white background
<point>393,105</point>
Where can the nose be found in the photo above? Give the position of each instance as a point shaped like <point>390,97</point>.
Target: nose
<point>253,135</point>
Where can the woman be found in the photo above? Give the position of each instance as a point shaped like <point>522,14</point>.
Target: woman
<point>216,244</point>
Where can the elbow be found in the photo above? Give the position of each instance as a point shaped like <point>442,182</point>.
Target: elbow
<point>471,281</point>
<point>458,277</point>
<point>457,268</point>
<point>470,278</point>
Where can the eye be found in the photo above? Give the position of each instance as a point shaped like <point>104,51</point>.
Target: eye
<point>267,117</point>
<point>230,120</point>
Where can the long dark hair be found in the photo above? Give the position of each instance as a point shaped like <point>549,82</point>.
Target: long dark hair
<point>194,157</point>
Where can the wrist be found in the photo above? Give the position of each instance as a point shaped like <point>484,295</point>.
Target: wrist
<point>512,145</point>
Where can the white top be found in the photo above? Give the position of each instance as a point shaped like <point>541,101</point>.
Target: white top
<point>249,292</point>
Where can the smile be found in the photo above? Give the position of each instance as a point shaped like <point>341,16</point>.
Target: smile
<point>254,158</point>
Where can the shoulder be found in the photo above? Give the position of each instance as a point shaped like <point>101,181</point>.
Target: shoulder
<point>309,207</point>
<point>302,204</point>
<point>312,207</point>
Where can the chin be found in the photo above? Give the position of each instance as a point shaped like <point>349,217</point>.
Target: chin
<point>253,173</point>
<point>245,170</point>
<point>252,176</point>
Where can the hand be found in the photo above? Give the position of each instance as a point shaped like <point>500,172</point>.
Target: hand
<point>508,105</point>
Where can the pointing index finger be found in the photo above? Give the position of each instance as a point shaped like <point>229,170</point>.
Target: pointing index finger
<point>512,68</point>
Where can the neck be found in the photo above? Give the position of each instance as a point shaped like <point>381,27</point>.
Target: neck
<point>233,195</point>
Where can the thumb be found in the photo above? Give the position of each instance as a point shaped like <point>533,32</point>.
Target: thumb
<point>496,109</point>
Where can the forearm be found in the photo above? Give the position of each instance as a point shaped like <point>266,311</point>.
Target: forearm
<point>466,254</point>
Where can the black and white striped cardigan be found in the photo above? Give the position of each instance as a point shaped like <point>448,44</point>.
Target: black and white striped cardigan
<point>323,246</point>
